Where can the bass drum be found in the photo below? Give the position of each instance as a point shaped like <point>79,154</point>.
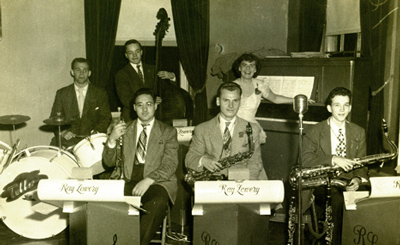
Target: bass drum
<point>18,184</point>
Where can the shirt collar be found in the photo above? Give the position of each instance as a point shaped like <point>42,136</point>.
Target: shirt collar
<point>150,124</point>
<point>83,88</point>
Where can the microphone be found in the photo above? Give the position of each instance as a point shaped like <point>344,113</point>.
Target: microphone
<point>300,104</point>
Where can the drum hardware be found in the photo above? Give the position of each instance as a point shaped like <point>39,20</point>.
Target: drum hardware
<point>59,121</point>
<point>13,120</point>
<point>13,151</point>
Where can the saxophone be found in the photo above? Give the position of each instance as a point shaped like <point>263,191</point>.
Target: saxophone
<point>313,177</point>
<point>193,176</point>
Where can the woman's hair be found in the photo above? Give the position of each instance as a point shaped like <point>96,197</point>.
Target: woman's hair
<point>246,57</point>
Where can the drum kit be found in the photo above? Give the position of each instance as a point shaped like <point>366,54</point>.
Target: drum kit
<point>20,172</point>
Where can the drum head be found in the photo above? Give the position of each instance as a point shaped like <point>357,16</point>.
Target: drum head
<point>18,187</point>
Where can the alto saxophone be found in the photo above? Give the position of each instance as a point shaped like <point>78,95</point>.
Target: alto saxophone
<point>193,176</point>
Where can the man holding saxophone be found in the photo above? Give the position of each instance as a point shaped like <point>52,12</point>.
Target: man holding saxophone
<point>225,136</point>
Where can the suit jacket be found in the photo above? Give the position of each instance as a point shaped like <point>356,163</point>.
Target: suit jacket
<point>207,140</point>
<point>317,150</point>
<point>127,82</point>
<point>161,159</point>
<point>96,113</point>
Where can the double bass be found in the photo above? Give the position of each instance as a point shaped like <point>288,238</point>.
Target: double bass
<point>176,102</point>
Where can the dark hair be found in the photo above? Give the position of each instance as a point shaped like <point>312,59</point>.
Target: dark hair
<point>143,91</point>
<point>132,41</point>
<point>79,60</point>
<point>342,91</point>
<point>246,57</point>
<point>231,86</point>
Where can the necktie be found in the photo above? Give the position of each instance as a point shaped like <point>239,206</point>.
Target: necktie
<point>141,146</point>
<point>227,139</point>
<point>140,73</point>
<point>81,101</point>
<point>341,147</point>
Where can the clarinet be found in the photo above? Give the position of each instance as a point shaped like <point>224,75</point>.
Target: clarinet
<point>119,162</point>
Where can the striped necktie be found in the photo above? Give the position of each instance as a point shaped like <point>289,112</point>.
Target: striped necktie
<point>227,139</point>
<point>341,146</point>
<point>141,146</point>
<point>139,71</point>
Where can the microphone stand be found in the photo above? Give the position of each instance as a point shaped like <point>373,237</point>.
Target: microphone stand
<point>299,182</point>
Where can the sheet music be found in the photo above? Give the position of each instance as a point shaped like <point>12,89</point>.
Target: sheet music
<point>290,86</point>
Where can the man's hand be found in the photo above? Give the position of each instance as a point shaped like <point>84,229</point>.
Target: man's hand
<point>166,75</point>
<point>354,184</point>
<point>210,164</point>
<point>117,132</point>
<point>68,135</point>
<point>141,187</point>
<point>344,163</point>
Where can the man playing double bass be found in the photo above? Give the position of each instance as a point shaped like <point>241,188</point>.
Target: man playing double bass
<point>134,76</point>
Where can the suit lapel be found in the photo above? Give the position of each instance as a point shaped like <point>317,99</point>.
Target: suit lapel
<point>88,97</point>
<point>325,140</point>
<point>130,146</point>
<point>153,141</point>
<point>73,99</point>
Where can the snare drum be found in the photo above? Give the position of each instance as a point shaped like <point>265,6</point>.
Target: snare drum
<point>89,152</point>
<point>18,187</point>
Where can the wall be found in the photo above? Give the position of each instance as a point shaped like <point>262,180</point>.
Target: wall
<point>244,26</point>
<point>137,20</point>
<point>40,39</point>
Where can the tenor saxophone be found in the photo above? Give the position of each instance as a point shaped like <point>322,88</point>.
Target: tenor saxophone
<point>193,176</point>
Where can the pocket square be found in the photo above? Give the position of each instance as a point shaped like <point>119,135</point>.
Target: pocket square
<point>96,108</point>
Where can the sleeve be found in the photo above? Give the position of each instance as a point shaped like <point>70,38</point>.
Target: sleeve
<point>105,113</point>
<point>124,91</point>
<point>57,105</point>
<point>362,172</point>
<point>197,149</point>
<point>109,155</point>
<point>255,163</point>
<point>169,161</point>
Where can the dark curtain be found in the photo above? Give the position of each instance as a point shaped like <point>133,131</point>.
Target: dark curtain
<point>192,28</point>
<point>311,27</point>
<point>101,22</point>
<point>374,46</point>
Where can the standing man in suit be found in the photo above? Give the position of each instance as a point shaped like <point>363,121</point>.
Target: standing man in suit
<point>150,153</point>
<point>83,105</point>
<point>335,142</point>
<point>223,136</point>
<point>134,76</point>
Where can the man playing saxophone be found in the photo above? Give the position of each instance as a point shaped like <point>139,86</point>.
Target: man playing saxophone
<point>334,142</point>
<point>225,136</point>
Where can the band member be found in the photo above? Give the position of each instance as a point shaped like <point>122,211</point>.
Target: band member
<point>223,136</point>
<point>83,105</point>
<point>150,153</point>
<point>334,142</point>
<point>134,76</point>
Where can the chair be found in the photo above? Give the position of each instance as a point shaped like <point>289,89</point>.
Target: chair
<point>166,227</point>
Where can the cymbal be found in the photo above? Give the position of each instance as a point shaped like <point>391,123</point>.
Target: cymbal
<point>13,119</point>
<point>56,121</point>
